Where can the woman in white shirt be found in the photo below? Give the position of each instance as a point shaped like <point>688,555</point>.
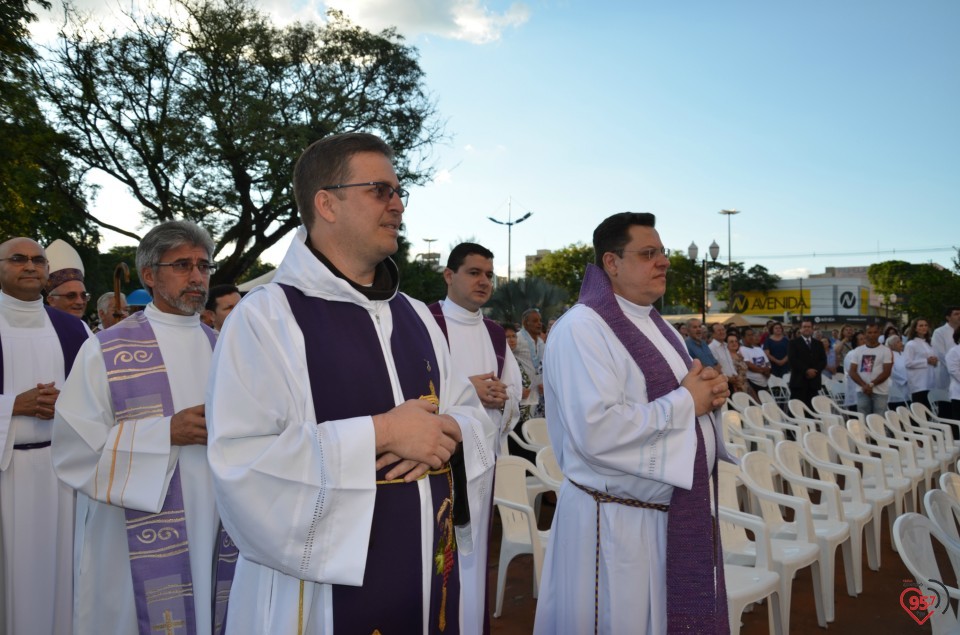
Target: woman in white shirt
<point>953,370</point>
<point>920,360</point>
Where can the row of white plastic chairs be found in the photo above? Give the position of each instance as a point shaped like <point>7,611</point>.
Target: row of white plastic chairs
<point>884,461</point>
<point>916,536</point>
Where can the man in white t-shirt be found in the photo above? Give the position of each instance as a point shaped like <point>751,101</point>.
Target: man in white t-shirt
<point>758,366</point>
<point>869,367</point>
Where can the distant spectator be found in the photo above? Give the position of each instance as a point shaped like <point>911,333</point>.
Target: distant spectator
<point>697,348</point>
<point>758,366</point>
<point>899,393</point>
<point>868,371</point>
<point>843,345</point>
<point>777,348</point>
<point>921,361</point>
<point>108,312</point>
<point>222,299</point>
<point>738,380</point>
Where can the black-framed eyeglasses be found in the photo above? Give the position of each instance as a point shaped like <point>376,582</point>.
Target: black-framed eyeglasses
<point>20,259</point>
<point>647,254</point>
<point>382,190</point>
<point>184,267</point>
<point>73,296</point>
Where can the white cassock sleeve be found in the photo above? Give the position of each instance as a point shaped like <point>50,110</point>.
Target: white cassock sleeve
<point>295,496</point>
<point>511,411</point>
<point>597,396</point>
<point>123,463</point>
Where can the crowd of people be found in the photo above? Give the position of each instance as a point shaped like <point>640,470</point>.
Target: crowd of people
<point>880,369</point>
<point>319,456</point>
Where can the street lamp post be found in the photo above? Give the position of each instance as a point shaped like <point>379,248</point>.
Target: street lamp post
<point>509,223</point>
<point>728,213</point>
<point>429,255</point>
<point>692,252</point>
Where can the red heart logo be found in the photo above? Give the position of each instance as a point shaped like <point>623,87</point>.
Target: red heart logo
<point>921,605</point>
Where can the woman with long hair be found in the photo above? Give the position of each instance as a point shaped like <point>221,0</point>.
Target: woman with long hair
<point>921,360</point>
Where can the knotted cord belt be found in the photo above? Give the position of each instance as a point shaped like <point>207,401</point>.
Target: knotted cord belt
<point>603,497</point>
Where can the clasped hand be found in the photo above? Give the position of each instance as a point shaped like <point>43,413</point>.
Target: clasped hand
<point>414,434</point>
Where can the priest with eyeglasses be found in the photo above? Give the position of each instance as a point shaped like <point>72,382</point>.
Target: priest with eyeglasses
<point>38,345</point>
<point>130,436</point>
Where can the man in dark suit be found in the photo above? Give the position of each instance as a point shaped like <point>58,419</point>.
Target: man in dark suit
<point>807,361</point>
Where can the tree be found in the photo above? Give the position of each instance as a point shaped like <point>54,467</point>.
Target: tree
<point>922,290</point>
<point>418,278</point>
<point>202,113</point>
<point>41,196</point>
<point>510,300</point>
<point>684,285</point>
<point>565,268</point>
<point>756,278</point>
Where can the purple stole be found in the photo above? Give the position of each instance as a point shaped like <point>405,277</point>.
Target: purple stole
<point>695,603</point>
<point>158,543</point>
<point>349,378</point>
<point>69,331</point>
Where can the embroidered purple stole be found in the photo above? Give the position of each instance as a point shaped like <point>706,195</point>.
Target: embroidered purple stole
<point>349,378</point>
<point>696,593</point>
<point>158,542</point>
<point>69,331</point>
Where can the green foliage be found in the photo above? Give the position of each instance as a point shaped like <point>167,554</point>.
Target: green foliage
<point>417,278</point>
<point>756,278</point>
<point>684,285</point>
<point>201,113</point>
<point>510,300</point>
<point>258,269</point>
<point>922,290</point>
<point>40,193</point>
<point>565,268</point>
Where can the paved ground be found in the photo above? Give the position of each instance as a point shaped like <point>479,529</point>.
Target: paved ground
<point>876,611</point>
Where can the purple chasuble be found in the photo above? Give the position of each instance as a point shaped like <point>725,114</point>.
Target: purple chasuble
<point>696,593</point>
<point>158,543</point>
<point>349,378</point>
<point>69,331</point>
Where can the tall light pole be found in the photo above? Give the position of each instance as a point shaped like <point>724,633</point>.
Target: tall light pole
<point>692,252</point>
<point>510,223</point>
<point>728,213</point>
<point>429,256</point>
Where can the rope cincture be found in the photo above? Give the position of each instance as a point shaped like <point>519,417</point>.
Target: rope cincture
<point>604,497</point>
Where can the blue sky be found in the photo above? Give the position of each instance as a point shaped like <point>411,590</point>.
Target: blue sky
<point>832,126</point>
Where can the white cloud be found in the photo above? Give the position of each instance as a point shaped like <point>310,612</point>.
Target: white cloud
<point>469,147</point>
<point>468,20</point>
<point>443,176</point>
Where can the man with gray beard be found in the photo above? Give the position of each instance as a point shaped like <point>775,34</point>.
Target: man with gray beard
<point>130,436</point>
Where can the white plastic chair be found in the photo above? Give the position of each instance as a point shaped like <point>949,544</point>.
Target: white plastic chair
<point>750,584</point>
<point>741,400</point>
<point>943,447</point>
<point>780,390</point>
<point>776,418</point>
<point>944,511</point>
<point>876,429</point>
<point>789,554</point>
<point>799,410</point>
<point>535,486</point>
<point>758,474</point>
<point>914,535</point>
<point>950,483</point>
<point>535,432</point>
<point>549,468</point>
<point>923,414</point>
<point>766,396</point>
<point>826,406</point>
<point>752,419</point>
<point>900,485</point>
<point>520,532</point>
<point>735,432</point>
<point>848,505</point>
<point>923,447</point>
